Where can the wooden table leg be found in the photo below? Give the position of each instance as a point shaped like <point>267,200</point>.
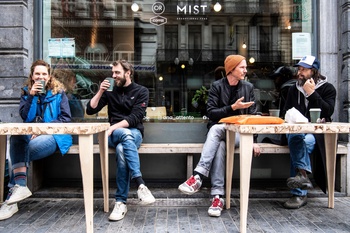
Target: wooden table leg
<point>246,154</point>
<point>230,155</point>
<point>331,153</point>
<point>87,168</point>
<point>103,143</point>
<point>3,144</point>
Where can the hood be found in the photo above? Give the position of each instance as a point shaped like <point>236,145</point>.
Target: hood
<point>301,90</point>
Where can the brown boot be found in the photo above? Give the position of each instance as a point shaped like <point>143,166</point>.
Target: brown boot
<point>299,181</point>
<point>295,202</point>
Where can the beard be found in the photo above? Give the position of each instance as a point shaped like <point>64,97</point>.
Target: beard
<point>302,79</point>
<point>121,82</point>
<point>301,82</point>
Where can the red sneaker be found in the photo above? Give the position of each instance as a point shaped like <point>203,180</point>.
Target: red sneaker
<point>191,186</point>
<point>216,207</point>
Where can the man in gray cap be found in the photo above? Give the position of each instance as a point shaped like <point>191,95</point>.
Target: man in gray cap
<point>311,91</point>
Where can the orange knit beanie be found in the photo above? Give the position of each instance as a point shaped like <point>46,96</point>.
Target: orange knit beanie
<point>232,61</point>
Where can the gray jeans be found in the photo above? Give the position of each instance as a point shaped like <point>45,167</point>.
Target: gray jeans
<point>213,158</point>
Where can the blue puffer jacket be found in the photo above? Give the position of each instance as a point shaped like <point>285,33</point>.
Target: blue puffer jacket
<point>56,109</point>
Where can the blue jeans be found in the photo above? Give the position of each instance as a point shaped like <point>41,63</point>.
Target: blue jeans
<point>213,158</point>
<point>126,141</point>
<point>23,150</point>
<point>300,147</point>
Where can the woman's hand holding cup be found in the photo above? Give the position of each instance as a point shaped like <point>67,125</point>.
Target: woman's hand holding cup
<point>38,87</point>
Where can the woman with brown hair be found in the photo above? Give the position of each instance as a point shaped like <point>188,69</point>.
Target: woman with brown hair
<point>41,102</point>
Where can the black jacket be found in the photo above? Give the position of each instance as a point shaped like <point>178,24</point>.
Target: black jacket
<point>323,97</point>
<point>124,103</point>
<point>221,98</point>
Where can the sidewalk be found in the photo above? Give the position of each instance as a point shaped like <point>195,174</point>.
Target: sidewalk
<point>174,212</point>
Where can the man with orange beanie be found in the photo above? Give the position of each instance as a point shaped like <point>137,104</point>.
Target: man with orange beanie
<point>228,96</point>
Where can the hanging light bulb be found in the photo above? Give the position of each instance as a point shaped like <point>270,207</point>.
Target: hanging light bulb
<point>244,45</point>
<point>190,61</point>
<point>217,7</point>
<point>135,7</point>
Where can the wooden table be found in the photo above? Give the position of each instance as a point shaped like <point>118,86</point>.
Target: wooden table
<point>330,131</point>
<point>85,132</point>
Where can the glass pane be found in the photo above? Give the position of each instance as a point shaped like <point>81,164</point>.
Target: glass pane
<point>176,46</point>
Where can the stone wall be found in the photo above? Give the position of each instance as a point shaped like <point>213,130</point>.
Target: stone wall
<point>16,55</point>
<point>344,59</point>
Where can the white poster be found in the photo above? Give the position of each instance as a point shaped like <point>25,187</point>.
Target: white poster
<point>301,45</point>
<point>61,47</point>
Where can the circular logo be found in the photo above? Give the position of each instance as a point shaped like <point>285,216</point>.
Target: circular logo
<point>158,8</point>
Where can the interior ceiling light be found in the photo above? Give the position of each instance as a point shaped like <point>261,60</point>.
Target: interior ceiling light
<point>135,7</point>
<point>244,45</point>
<point>217,7</point>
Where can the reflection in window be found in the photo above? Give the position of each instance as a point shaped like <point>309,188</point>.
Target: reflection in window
<point>218,41</point>
<point>177,58</point>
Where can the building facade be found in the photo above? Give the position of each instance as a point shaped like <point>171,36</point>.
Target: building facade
<point>175,46</point>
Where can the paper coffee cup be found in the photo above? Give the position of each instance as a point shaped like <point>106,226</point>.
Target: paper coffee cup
<point>315,113</point>
<point>43,89</point>
<point>111,81</point>
<point>274,112</point>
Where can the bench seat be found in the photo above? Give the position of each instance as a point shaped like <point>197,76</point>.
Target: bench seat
<point>196,148</point>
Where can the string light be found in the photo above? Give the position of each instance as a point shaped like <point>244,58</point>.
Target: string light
<point>135,7</point>
<point>217,7</point>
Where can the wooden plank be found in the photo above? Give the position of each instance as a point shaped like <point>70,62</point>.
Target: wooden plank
<point>196,148</point>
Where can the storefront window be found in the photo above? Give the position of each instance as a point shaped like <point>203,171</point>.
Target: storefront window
<point>176,47</point>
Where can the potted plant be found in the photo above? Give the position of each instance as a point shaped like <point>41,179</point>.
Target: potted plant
<point>200,100</point>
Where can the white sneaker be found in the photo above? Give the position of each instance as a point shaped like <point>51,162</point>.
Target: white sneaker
<point>6,211</point>
<point>118,212</point>
<point>145,196</point>
<point>216,207</point>
<point>18,193</point>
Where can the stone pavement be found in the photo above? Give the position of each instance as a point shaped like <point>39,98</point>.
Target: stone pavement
<point>180,213</point>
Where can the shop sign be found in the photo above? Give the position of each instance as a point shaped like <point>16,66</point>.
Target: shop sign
<point>158,8</point>
<point>158,20</point>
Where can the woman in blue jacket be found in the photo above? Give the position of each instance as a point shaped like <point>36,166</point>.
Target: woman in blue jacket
<point>35,106</point>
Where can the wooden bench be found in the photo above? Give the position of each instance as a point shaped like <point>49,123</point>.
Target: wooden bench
<point>159,148</point>
<point>196,148</point>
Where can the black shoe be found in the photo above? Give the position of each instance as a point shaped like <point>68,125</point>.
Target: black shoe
<point>295,202</point>
<point>299,181</point>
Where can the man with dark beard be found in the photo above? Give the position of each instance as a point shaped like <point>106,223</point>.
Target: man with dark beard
<point>127,104</point>
<point>311,91</point>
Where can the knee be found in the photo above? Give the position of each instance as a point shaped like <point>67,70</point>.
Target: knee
<point>18,140</point>
<point>119,149</point>
<point>217,130</point>
<point>126,135</point>
<point>295,138</point>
